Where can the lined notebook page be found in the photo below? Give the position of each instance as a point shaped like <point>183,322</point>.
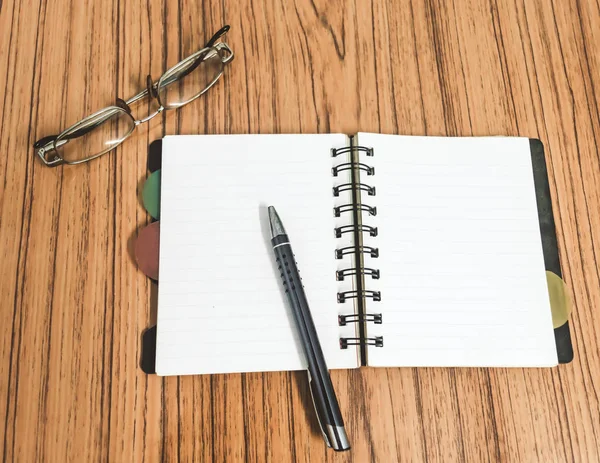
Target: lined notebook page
<point>462,271</point>
<point>221,308</point>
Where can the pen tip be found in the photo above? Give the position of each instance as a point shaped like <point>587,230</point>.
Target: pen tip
<point>275,222</point>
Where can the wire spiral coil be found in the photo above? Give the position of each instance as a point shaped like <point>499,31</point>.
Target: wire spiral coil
<point>357,229</point>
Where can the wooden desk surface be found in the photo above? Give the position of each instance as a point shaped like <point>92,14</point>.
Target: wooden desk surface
<point>73,304</point>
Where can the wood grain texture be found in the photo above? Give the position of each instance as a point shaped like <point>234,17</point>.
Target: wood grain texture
<point>73,304</point>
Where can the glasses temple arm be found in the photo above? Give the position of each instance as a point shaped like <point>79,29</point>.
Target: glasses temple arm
<point>220,33</point>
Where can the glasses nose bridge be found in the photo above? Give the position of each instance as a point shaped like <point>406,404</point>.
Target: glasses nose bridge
<point>152,92</point>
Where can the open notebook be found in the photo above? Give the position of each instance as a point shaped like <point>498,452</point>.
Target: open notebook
<point>414,251</point>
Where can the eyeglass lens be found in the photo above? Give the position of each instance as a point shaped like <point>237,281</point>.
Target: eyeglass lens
<point>183,83</point>
<point>95,135</point>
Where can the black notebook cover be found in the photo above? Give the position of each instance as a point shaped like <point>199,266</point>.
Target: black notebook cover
<point>562,334</point>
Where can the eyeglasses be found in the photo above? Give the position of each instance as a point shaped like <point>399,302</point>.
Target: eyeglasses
<point>106,129</point>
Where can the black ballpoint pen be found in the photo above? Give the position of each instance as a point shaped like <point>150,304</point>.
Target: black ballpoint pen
<point>321,388</point>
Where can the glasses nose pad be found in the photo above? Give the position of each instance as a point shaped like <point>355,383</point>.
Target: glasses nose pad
<point>150,85</point>
<point>121,103</point>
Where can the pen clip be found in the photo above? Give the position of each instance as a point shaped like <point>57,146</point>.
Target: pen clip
<point>318,411</point>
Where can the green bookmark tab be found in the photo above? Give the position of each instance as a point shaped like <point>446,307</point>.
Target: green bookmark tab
<point>151,194</point>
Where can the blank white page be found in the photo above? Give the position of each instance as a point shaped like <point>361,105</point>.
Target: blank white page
<point>221,307</point>
<point>462,271</point>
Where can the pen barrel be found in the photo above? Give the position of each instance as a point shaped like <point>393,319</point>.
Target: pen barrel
<point>322,389</point>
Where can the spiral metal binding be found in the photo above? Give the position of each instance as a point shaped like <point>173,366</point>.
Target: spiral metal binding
<point>376,318</point>
<point>337,151</point>
<point>349,187</point>
<point>339,231</point>
<point>338,210</point>
<point>341,252</point>
<point>350,165</point>
<point>341,274</point>
<point>377,341</point>
<point>343,296</point>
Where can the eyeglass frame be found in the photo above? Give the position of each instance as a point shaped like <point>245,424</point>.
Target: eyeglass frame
<point>48,144</point>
